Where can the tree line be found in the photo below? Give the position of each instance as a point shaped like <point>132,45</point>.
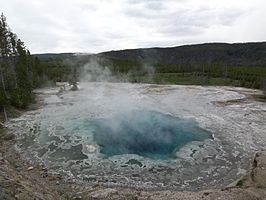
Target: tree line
<point>20,72</point>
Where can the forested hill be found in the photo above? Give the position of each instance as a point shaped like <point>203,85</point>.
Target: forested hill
<point>239,64</point>
<point>238,54</point>
<point>55,56</point>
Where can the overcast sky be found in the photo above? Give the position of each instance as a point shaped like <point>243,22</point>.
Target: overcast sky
<point>100,25</point>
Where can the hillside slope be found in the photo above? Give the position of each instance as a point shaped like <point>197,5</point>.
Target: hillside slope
<point>240,54</point>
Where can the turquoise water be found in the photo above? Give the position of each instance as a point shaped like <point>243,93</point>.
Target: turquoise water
<point>145,133</point>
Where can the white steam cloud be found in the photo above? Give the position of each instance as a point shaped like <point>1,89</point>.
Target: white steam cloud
<point>100,70</point>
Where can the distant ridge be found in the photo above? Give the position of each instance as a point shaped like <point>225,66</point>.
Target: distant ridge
<point>237,54</point>
<point>47,56</point>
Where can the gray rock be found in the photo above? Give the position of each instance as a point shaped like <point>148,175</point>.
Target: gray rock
<point>104,193</point>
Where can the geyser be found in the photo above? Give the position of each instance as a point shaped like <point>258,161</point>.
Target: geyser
<point>145,133</point>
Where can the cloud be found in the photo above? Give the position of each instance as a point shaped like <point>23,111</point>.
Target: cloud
<point>101,25</point>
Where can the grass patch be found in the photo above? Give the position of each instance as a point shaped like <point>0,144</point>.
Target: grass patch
<point>183,79</point>
<point>5,135</point>
<point>2,131</point>
<point>11,112</point>
<point>260,98</point>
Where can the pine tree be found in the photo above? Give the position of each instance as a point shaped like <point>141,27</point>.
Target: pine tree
<point>3,57</point>
<point>17,69</point>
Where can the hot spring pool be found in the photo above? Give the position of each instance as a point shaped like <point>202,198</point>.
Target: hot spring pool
<point>146,136</point>
<point>145,133</point>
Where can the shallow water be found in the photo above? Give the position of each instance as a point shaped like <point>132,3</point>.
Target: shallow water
<point>146,136</point>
